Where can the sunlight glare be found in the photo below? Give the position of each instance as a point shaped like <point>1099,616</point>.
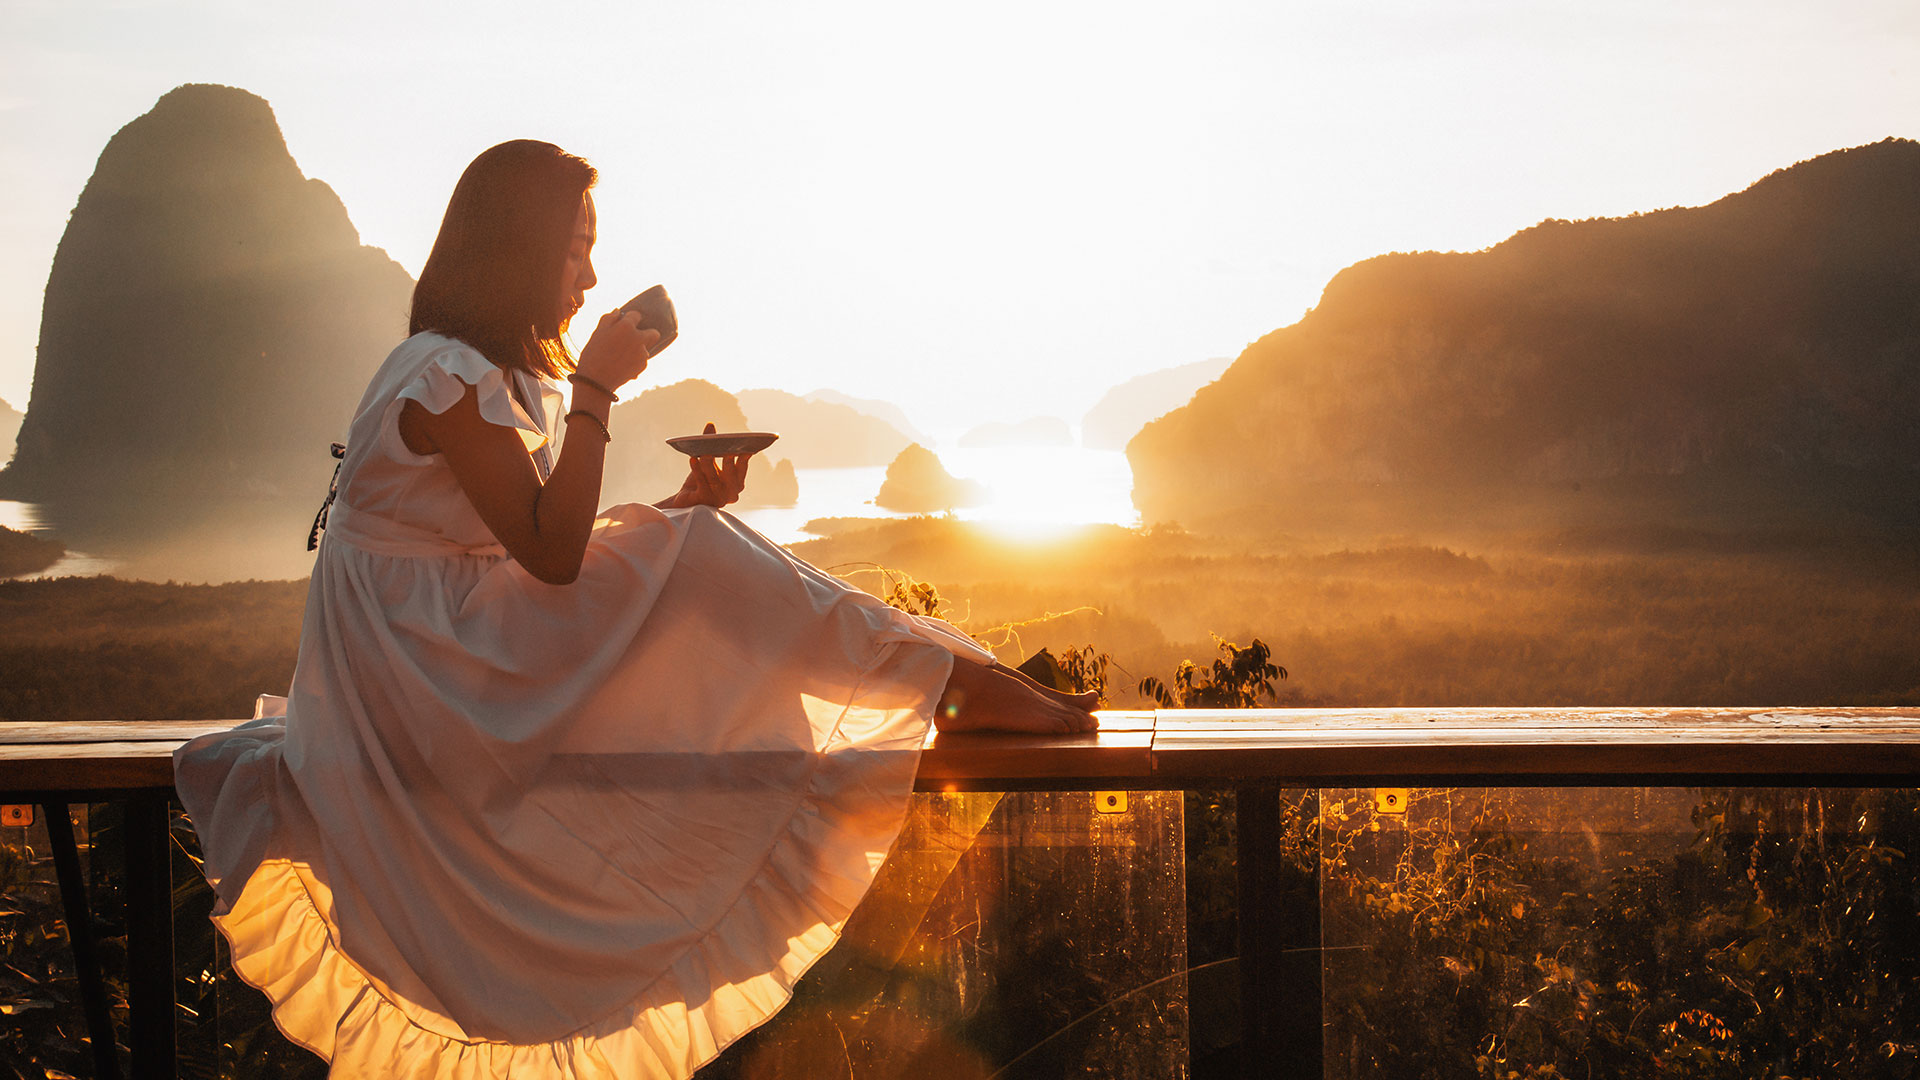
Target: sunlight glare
<point>1037,488</point>
<point>1031,530</point>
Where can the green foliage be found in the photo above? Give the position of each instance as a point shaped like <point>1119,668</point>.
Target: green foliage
<point>1085,669</point>
<point>1073,671</point>
<point>41,1032</point>
<point>1239,680</point>
<point>103,649</point>
<point>900,590</point>
<point>913,597</point>
<point>1783,942</point>
<point>1625,617</point>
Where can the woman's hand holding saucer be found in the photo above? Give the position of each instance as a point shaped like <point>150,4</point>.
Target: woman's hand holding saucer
<point>710,481</point>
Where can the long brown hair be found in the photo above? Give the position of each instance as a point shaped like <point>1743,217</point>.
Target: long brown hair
<point>492,277</point>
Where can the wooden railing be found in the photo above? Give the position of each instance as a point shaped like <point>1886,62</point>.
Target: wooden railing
<point>1256,752</point>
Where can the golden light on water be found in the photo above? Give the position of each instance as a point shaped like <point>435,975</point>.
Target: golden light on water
<point>1040,488</point>
<point>1034,493</point>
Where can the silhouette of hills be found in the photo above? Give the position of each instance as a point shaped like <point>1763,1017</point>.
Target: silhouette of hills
<point>641,467</point>
<point>821,434</point>
<point>1765,345</point>
<point>885,410</point>
<point>210,321</point>
<point>1122,411</point>
<point>917,483</point>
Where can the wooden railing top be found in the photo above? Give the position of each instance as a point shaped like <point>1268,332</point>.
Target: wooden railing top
<point>1200,748</point>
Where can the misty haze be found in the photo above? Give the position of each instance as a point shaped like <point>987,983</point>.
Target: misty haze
<point>1519,475</point>
<point>1072,336</point>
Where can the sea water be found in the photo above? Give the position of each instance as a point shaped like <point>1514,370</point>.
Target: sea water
<point>1029,489</point>
<point>25,517</point>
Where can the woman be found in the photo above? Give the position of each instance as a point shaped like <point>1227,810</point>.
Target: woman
<point>558,794</point>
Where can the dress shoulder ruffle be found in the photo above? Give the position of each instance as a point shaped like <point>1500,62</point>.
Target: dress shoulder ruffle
<point>453,366</point>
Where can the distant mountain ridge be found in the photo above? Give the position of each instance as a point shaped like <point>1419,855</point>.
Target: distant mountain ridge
<point>821,434</point>
<point>1122,411</point>
<point>1774,333</point>
<point>641,467</point>
<point>917,483</point>
<point>211,319</point>
<point>885,410</point>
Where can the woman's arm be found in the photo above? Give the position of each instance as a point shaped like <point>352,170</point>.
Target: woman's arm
<point>544,527</point>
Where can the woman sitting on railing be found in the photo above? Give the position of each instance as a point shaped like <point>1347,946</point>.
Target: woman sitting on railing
<point>558,793</point>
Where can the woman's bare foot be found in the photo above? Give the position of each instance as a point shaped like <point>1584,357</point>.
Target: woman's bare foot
<point>981,698</point>
<point>1085,702</point>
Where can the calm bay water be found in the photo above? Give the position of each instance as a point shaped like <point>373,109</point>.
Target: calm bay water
<point>25,517</point>
<point>1033,489</point>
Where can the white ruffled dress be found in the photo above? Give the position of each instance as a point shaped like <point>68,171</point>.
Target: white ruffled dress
<point>507,828</point>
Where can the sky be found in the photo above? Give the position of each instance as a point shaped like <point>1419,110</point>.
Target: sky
<point>984,211</point>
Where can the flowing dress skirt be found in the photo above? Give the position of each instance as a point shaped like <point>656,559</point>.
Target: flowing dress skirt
<point>505,828</point>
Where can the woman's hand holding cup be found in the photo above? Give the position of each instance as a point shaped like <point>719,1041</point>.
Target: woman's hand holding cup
<point>618,351</point>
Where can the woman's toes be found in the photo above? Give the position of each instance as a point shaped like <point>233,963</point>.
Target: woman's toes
<point>1071,719</point>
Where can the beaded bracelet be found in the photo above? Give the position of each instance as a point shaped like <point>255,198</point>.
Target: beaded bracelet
<point>581,380</point>
<point>597,422</point>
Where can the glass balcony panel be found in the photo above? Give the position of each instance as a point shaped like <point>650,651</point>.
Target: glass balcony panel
<point>41,1021</point>
<point>1527,932</point>
<point>1620,932</point>
<point>1009,935</point>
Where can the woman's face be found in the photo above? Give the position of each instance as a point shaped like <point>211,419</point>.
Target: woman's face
<point>576,274</point>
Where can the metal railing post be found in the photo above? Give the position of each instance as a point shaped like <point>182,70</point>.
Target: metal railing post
<point>1279,920</point>
<point>150,1003</point>
<point>86,957</point>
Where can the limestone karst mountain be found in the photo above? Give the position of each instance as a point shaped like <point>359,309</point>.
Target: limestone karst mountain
<point>1767,344</point>
<point>885,410</point>
<point>818,434</point>
<point>1122,411</point>
<point>641,467</point>
<point>917,483</point>
<point>774,484</point>
<point>211,319</point>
